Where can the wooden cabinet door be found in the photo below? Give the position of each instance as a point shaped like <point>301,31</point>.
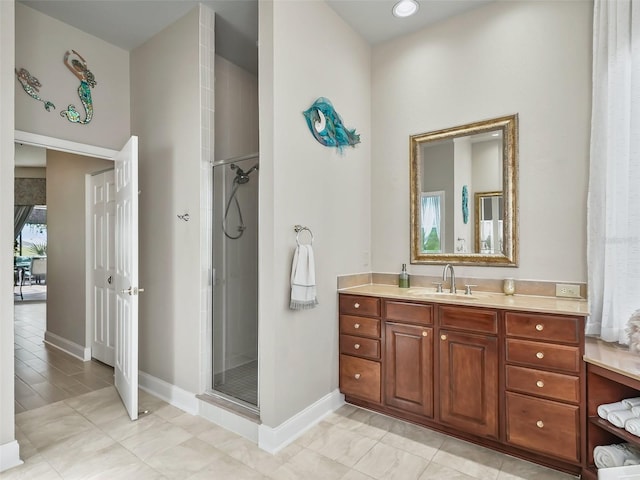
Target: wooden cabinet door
<point>469,382</point>
<point>409,368</point>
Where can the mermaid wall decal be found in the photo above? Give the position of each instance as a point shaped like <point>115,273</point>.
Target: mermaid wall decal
<point>31,85</point>
<point>78,66</point>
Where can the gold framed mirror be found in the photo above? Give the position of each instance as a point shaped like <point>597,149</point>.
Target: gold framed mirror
<point>449,167</point>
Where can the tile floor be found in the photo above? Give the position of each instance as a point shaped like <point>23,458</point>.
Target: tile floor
<point>89,436</point>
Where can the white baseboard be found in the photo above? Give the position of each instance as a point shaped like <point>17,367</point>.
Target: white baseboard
<point>67,346</point>
<point>9,456</point>
<point>171,394</point>
<point>274,439</point>
<point>230,421</point>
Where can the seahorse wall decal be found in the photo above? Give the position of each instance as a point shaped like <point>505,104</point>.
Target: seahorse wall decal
<point>31,85</point>
<point>78,66</point>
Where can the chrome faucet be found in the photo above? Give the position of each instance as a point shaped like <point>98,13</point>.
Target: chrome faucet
<point>449,267</point>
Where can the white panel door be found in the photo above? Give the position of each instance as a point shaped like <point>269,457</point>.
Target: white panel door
<point>126,276</point>
<point>103,298</point>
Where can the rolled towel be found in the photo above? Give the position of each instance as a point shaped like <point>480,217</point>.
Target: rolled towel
<point>607,456</point>
<point>631,402</point>
<point>633,426</point>
<point>620,417</point>
<point>605,408</point>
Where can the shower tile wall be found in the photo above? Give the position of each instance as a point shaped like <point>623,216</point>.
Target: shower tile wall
<point>235,261</point>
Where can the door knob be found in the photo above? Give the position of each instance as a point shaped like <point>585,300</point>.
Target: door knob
<point>110,279</point>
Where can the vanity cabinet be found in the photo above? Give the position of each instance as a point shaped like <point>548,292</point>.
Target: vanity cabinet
<point>543,357</point>
<point>408,357</point>
<point>510,380</point>
<point>468,373</point>
<point>360,339</point>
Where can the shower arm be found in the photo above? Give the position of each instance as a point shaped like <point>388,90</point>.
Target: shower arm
<point>226,161</point>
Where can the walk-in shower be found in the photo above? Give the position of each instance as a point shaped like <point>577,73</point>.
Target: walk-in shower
<point>235,280</point>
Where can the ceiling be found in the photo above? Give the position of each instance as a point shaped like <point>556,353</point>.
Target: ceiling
<point>129,23</point>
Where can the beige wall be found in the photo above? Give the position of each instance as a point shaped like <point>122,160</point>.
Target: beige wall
<point>66,252</point>
<point>165,92</point>
<point>8,446</point>
<point>531,58</point>
<point>41,42</point>
<point>303,182</point>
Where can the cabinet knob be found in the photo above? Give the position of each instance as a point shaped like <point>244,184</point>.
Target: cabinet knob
<point>425,333</point>
<point>540,383</point>
<point>539,327</point>
<point>540,424</point>
<point>540,355</point>
<point>356,305</point>
<point>443,337</point>
<point>357,325</point>
<point>356,346</point>
<point>357,376</point>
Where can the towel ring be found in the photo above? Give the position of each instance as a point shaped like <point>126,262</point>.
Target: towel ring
<point>299,229</point>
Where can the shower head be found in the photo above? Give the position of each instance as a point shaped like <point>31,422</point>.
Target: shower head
<point>242,177</point>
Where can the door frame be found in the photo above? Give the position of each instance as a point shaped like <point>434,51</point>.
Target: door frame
<point>52,143</point>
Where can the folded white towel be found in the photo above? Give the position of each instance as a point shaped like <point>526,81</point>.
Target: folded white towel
<point>607,456</point>
<point>303,279</point>
<point>620,417</point>
<point>604,409</point>
<point>633,426</point>
<point>631,402</point>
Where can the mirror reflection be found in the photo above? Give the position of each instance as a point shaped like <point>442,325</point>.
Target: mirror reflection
<point>463,194</point>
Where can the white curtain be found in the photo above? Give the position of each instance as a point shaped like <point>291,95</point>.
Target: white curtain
<point>613,239</point>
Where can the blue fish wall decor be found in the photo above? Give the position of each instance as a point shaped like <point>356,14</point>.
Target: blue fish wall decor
<point>326,125</point>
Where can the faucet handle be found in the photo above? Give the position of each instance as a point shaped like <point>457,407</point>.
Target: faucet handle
<point>438,286</point>
<point>467,290</point>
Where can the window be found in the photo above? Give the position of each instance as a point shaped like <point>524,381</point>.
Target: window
<point>431,208</point>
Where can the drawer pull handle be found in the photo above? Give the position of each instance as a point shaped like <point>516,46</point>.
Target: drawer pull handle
<point>356,346</point>
<point>540,355</point>
<point>356,305</point>
<point>425,333</point>
<point>539,327</point>
<point>540,424</point>
<point>443,337</point>
<point>357,325</point>
<point>540,383</point>
<point>357,376</point>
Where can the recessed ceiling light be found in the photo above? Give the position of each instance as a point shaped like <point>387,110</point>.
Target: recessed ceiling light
<point>405,8</point>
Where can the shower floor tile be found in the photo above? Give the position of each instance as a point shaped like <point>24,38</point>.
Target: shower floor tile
<point>239,382</point>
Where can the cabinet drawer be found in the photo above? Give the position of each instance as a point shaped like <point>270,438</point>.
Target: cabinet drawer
<point>358,305</point>
<point>543,355</point>
<point>543,425</point>
<point>474,319</point>
<point>405,312</point>
<point>363,347</point>
<point>551,385</point>
<point>543,327</point>
<point>368,327</point>
<point>360,378</point>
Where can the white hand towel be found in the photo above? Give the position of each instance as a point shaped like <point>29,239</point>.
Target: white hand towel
<point>633,426</point>
<point>303,279</point>
<point>607,456</point>
<point>619,417</point>
<point>604,409</point>
<point>631,402</point>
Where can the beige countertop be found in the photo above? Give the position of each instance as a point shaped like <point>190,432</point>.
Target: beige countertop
<point>615,358</point>
<point>529,303</point>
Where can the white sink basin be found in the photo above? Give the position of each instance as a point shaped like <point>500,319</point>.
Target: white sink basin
<point>429,293</point>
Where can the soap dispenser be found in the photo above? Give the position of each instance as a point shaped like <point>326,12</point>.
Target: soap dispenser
<point>403,278</point>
